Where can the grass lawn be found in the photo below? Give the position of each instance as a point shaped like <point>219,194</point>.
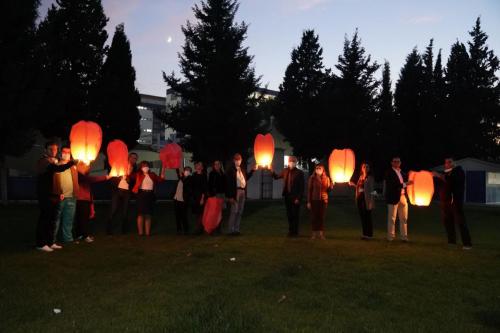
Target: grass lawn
<point>189,284</point>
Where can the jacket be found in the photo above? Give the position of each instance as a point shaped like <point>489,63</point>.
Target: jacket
<point>296,178</point>
<point>139,178</point>
<point>231,180</point>
<point>393,186</point>
<point>318,187</point>
<point>45,176</point>
<point>368,187</point>
<point>84,186</point>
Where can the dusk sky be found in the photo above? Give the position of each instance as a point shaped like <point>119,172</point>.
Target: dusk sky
<point>389,29</point>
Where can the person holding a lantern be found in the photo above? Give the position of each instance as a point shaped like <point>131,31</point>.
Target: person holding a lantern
<point>145,183</point>
<point>317,200</point>
<point>452,190</point>
<point>182,199</point>
<point>48,198</point>
<point>217,186</point>
<point>236,187</point>
<point>293,191</point>
<point>395,183</point>
<point>66,185</point>
<point>120,195</point>
<point>199,188</point>
<point>84,202</point>
<point>364,200</point>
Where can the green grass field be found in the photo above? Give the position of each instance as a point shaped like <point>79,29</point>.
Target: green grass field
<point>188,283</point>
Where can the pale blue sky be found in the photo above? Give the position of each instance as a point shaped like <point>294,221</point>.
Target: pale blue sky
<point>389,30</point>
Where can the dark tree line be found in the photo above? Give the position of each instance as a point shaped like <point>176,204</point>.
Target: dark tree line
<point>434,111</point>
<point>60,71</point>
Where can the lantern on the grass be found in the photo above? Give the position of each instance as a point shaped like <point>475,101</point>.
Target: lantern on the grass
<point>171,156</point>
<point>341,164</point>
<point>85,138</point>
<point>263,149</point>
<point>118,158</point>
<point>421,191</point>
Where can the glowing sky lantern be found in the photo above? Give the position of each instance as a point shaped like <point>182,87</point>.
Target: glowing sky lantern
<point>171,156</point>
<point>118,158</point>
<point>421,191</point>
<point>341,165</point>
<point>263,149</point>
<point>85,138</point>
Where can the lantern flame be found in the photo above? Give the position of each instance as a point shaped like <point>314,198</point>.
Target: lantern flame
<point>421,191</point>
<point>263,149</point>
<point>341,164</point>
<point>85,138</point>
<point>118,158</point>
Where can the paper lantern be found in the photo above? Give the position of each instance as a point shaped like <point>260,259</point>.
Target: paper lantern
<point>421,191</point>
<point>263,149</point>
<point>171,156</point>
<point>341,164</point>
<point>85,138</point>
<point>118,158</point>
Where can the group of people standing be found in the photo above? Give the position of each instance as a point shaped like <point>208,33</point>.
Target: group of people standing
<point>66,202</point>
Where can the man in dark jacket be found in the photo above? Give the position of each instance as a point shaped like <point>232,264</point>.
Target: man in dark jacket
<point>236,187</point>
<point>293,191</point>
<point>395,183</point>
<point>48,199</point>
<point>452,189</point>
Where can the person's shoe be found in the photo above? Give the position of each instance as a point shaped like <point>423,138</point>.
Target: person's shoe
<point>56,247</point>
<point>405,240</point>
<point>313,236</point>
<point>365,237</point>
<point>466,248</point>
<point>88,239</point>
<point>322,235</point>
<point>45,248</point>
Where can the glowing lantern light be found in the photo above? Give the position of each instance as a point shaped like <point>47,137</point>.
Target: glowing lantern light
<point>421,191</point>
<point>263,149</point>
<point>118,158</point>
<point>341,164</point>
<point>171,156</point>
<point>85,138</point>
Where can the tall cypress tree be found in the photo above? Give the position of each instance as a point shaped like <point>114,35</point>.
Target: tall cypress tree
<point>18,76</point>
<point>18,81</point>
<point>216,115</point>
<point>116,95</point>
<point>408,106</point>
<point>72,50</point>
<point>485,93</point>
<point>388,131</point>
<point>462,119</point>
<point>299,115</point>
<point>355,102</point>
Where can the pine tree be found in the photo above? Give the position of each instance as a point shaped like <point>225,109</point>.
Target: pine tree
<point>485,93</point>
<point>299,115</point>
<point>216,116</point>
<point>71,42</point>
<point>116,95</point>
<point>355,98</point>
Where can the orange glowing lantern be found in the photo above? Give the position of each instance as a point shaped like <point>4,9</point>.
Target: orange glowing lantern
<point>171,156</point>
<point>341,164</point>
<point>421,191</point>
<point>118,158</point>
<point>263,149</point>
<point>85,138</point>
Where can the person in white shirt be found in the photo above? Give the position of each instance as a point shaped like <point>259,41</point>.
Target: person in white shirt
<point>182,199</point>
<point>236,187</point>
<point>144,188</point>
<point>395,197</point>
